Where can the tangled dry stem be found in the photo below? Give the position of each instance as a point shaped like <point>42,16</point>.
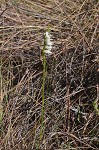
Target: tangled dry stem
<point>71,121</point>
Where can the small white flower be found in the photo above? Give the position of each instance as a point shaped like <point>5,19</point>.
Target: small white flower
<point>49,43</point>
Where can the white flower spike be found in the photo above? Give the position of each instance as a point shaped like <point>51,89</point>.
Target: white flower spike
<point>49,43</point>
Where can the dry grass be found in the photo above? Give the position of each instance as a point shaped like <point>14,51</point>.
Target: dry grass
<point>71,106</point>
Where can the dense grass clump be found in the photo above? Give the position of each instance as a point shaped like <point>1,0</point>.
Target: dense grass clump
<point>71,86</point>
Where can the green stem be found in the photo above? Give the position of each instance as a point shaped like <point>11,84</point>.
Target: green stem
<point>43,88</point>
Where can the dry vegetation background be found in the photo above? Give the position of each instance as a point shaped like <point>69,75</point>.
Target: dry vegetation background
<point>71,120</point>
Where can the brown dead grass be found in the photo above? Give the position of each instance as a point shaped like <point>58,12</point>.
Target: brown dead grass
<point>72,75</point>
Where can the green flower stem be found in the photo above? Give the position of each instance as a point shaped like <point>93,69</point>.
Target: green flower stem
<point>43,88</point>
